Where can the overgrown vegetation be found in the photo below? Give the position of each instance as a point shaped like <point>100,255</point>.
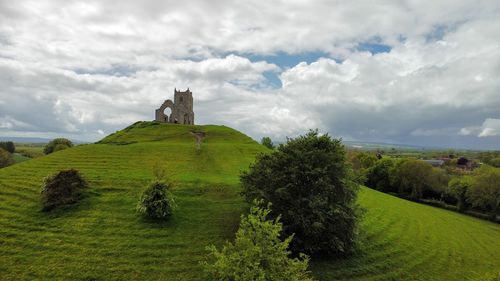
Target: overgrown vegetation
<point>57,145</point>
<point>257,253</point>
<point>309,184</point>
<point>8,145</point>
<point>63,188</point>
<point>491,158</point>
<point>5,158</point>
<point>415,177</point>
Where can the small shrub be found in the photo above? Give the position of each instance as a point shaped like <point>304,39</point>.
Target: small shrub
<point>257,253</point>
<point>56,145</point>
<point>63,188</point>
<point>5,158</point>
<point>157,201</point>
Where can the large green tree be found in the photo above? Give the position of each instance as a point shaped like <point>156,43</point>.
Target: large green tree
<point>310,185</point>
<point>458,187</point>
<point>412,177</point>
<point>9,146</point>
<point>378,176</point>
<point>484,191</point>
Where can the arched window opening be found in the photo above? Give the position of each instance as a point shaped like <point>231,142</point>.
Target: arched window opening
<point>167,112</point>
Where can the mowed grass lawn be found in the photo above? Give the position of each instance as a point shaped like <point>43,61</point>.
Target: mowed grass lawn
<point>403,240</point>
<point>103,238</point>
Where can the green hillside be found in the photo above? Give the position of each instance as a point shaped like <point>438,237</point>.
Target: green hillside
<point>102,238</point>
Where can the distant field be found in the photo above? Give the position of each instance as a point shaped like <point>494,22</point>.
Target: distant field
<point>18,158</point>
<point>103,238</point>
<point>30,150</point>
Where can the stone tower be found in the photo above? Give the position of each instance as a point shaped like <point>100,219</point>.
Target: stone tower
<point>181,107</point>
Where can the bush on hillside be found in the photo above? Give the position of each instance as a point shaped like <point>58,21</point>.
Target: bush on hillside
<point>60,147</point>
<point>309,183</point>
<point>63,188</point>
<point>157,201</point>
<point>56,145</point>
<point>257,253</point>
<point>8,145</point>
<point>267,142</point>
<point>5,158</point>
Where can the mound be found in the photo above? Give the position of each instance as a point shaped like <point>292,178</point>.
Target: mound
<point>102,237</point>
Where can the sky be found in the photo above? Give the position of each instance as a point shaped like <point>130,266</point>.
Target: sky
<point>408,72</point>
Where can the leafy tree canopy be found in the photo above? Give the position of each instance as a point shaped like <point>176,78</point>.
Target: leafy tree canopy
<point>5,158</point>
<point>8,145</point>
<point>257,253</point>
<point>267,142</point>
<point>484,191</point>
<point>56,145</point>
<point>309,183</point>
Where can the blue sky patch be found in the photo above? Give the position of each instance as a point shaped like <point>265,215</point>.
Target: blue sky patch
<point>374,48</point>
<point>285,60</point>
<point>273,79</point>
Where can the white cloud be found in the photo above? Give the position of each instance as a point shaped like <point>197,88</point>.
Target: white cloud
<point>468,131</point>
<point>491,127</point>
<point>79,68</point>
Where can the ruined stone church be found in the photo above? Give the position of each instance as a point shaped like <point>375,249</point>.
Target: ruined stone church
<point>181,109</point>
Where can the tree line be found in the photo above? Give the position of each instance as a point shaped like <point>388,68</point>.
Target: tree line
<point>476,190</point>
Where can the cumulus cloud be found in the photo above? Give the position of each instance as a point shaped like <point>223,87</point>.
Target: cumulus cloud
<point>85,69</point>
<point>491,127</point>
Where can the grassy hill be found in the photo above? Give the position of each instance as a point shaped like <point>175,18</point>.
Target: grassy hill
<point>102,238</point>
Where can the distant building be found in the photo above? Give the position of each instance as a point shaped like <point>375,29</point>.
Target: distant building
<point>181,109</point>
